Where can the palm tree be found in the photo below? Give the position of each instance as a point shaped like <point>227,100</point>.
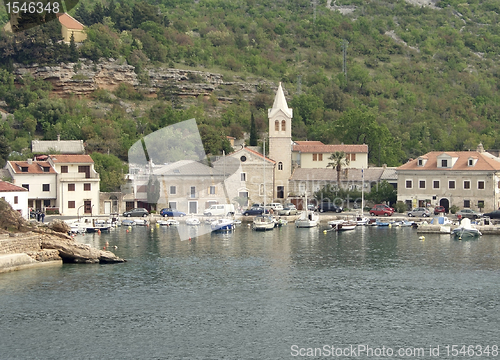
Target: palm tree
<point>338,161</point>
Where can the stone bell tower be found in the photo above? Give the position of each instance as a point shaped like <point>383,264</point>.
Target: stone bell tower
<point>280,143</point>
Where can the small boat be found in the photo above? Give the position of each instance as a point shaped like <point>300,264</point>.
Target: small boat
<point>361,220</point>
<point>345,226</point>
<point>141,222</point>
<point>169,222</point>
<point>209,221</point>
<point>263,223</point>
<point>307,219</point>
<point>404,223</point>
<point>128,222</point>
<point>237,222</point>
<point>193,221</point>
<point>466,230</point>
<point>381,223</point>
<point>222,225</point>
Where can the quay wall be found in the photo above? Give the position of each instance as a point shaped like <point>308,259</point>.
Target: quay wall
<point>19,243</point>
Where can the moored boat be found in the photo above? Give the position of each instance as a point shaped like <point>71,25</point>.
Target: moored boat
<point>466,229</point>
<point>307,219</point>
<point>222,225</point>
<point>263,223</point>
<point>192,221</point>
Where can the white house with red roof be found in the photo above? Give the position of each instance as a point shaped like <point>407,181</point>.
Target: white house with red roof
<point>467,179</point>
<point>16,196</point>
<point>66,182</point>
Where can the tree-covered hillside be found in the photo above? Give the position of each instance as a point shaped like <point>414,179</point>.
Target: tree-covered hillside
<point>415,78</point>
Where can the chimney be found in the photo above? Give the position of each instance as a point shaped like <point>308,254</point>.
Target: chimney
<point>30,161</point>
<point>58,137</point>
<point>480,148</point>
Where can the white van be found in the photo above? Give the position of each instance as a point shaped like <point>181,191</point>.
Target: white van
<point>220,210</point>
<point>275,206</point>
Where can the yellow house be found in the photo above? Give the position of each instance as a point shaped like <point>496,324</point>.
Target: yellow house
<point>71,26</point>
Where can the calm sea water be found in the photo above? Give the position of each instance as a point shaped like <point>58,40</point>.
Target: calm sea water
<point>250,295</point>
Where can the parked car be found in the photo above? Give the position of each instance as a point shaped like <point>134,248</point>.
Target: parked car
<point>254,211</point>
<point>420,211</point>
<point>220,210</point>
<point>136,212</point>
<point>493,215</point>
<point>288,210</point>
<point>469,213</point>
<point>328,206</point>
<point>439,210</point>
<point>168,212</point>
<point>381,209</point>
<point>275,206</point>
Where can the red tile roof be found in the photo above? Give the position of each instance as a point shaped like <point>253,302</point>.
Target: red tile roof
<point>36,167</point>
<point>69,22</point>
<point>7,186</point>
<point>484,162</point>
<point>69,159</point>
<point>331,148</point>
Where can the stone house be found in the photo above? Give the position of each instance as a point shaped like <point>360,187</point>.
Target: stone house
<point>315,154</point>
<point>467,179</point>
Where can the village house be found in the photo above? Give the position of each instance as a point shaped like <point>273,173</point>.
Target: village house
<point>71,26</point>
<point>466,179</point>
<point>67,147</point>
<point>16,196</point>
<point>66,183</point>
<point>315,154</point>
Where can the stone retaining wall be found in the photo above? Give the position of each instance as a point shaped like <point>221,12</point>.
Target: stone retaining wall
<point>20,243</point>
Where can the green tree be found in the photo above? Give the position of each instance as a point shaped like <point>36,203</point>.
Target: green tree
<point>338,160</point>
<point>111,171</point>
<point>253,132</point>
<point>383,191</point>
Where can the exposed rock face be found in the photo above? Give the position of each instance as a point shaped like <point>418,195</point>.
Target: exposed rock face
<point>59,226</point>
<point>84,77</point>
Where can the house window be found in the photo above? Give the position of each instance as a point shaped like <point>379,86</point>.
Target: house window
<point>315,157</point>
<point>466,184</point>
<point>46,169</point>
<point>26,186</point>
<point>451,184</point>
<point>16,199</point>
<point>444,163</point>
<point>480,185</point>
<point>471,162</point>
<point>193,192</point>
<point>435,184</point>
<point>280,166</point>
<point>276,125</point>
<point>71,187</point>
<point>24,169</point>
<point>420,162</point>
<point>283,125</point>
<point>71,204</point>
<point>320,157</point>
<point>86,187</point>
<point>64,169</point>
<point>466,203</point>
<point>84,169</point>
<point>46,187</point>
<point>46,203</point>
<point>421,184</point>
<point>243,176</point>
<point>353,157</point>
<point>173,190</point>
<point>409,184</point>
<point>212,190</point>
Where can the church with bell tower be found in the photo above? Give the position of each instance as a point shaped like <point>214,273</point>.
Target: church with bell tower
<point>280,143</point>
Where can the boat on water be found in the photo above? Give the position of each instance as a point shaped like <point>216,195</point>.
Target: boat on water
<point>192,221</point>
<point>88,225</point>
<point>466,229</point>
<point>381,223</point>
<point>343,226</point>
<point>223,224</point>
<point>307,219</point>
<point>263,223</point>
<point>141,222</point>
<point>169,222</point>
<point>362,220</point>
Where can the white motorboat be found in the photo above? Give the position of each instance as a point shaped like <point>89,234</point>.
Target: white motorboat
<point>192,221</point>
<point>307,219</point>
<point>169,222</point>
<point>263,223</point>
<point>361,220</point>
<point>466,230</point>
<point>223,224</point>
<point>141,222</point>
<point>345,226</point>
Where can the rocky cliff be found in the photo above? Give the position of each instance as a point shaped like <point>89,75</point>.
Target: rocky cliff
<point>84,77</point>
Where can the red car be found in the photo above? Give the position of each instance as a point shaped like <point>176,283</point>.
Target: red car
<point>439,210</point>
<point>381,209</point>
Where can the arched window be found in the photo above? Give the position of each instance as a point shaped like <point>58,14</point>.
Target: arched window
<point>283,125</point>
<point>276,125</point>
<point>280,166</point>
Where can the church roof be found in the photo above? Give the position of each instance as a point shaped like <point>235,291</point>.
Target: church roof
<point>280,104</point>
<point>322,148</point>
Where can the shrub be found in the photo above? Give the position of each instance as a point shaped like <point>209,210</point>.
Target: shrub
<point>401,207</point>
<point>454,209</point>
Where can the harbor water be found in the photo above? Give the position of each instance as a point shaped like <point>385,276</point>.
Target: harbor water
<point>280,294</point>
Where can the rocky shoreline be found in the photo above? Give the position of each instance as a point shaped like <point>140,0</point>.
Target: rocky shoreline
<point>43,246</point>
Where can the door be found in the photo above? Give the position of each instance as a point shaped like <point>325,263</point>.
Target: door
<point>280,194</point>
<point>193,207</point>
<point>38,204</point>
<point>87,206</point>
<point>445,203</point>
<point>107,207</point>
